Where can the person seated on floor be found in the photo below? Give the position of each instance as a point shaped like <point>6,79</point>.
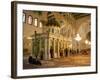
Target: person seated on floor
<point>34,61</point>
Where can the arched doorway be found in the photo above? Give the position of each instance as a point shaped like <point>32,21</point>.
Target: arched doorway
<point>52,52</point>
<point>61,53</point>
<point>88,36</point>
<point>41,55</point>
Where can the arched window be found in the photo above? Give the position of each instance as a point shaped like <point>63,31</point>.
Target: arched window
<point>30,19</point>
<point>40,24</point>
<point>35,22</point>
<point>24,17</point>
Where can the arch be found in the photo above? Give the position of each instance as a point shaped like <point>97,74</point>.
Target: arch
<point>88,36</point>
<point>30,19</point>
<point>84,28</point>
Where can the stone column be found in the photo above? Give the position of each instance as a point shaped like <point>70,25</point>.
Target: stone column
<point>54,48</point>
<point>58,49</point>
<point>32,48</point>
<point>62,48</point>
<point>45,49</point>
<point>48,48</point>
<point>68,51</point>
<point>65,49</point>
<point>56,53</point>
<point>39,47</point>
<point>68,54</point>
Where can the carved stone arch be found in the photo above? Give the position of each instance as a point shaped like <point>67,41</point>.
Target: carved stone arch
<point>88,36</point>
<point>84,28</point>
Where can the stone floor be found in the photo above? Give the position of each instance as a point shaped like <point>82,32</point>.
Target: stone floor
<point>71,61</point>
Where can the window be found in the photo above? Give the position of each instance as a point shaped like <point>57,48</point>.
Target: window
<point>24,17</point>
<point>35,22</point>
<point>30,19</point>
<point>40,24</point>
<point>52,30</point>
